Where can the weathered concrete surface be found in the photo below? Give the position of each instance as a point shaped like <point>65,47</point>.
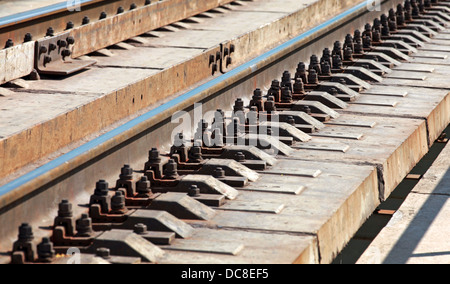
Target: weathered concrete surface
<point>393,145</point>
<point>330,213</point>
<point>258,248</point>
<point>430,104</point>
<point>418,231</point>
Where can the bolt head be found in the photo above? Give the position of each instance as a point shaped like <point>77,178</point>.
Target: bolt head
<point>140,229</point>
<point>193,191</point>
<point>66,53</point>
<point>101,188</point>
<point>26,232</point>
<point>70,25</point>
<point>104,253</point>
<point>70,40</point>
<point>28,37</point>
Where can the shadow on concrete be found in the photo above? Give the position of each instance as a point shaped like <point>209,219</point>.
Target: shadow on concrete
<point>431,254</point>
<point>411,237</point>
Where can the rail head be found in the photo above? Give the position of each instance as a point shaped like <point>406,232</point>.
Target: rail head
<point>23,17</point>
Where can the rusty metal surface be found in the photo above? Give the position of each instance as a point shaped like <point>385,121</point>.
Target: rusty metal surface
<point>54,56</point>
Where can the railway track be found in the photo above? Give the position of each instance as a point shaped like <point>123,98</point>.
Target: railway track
<point>293,151</point>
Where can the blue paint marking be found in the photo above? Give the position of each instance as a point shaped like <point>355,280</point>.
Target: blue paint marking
<point>119,130</point>
<point>13,19</point>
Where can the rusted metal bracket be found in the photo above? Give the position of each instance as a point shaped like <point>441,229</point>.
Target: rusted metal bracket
<point>226,62</point>
<point>128,244</point>
<point>53,56</point>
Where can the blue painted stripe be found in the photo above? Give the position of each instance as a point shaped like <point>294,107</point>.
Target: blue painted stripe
<point>19,17</point>
<point>121,129</point>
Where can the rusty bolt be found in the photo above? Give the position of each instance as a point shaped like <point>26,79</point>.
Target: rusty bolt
<point>239,105</point>
<point>133,6</point>
<point>85,20</point>
<point>286,95</point>
<point>376,36</point>
<point>45,250</point>
<point>51,47</point>
<point>195,153</point>
<point>47,59</point>
<point>43,49</point>
<point>240,157</point>
<point>367,42</point>
<point>257,95</point>
<point>66,53</point>
<point>140,229</point>
<point>65,209</point>
<point>313,77</point>
<point>69,25</point>
<point>120,10</point>
<point>101,188</point>
<point>194,191</point>
<point>70,40</point>
<point>214,68</point>
<point>219,173</point>
<point>334,92</point>
<point>299,87</point>
<point>290,120</point>
<point>359,47</point>
<point>143,187</point>
<point>126,173</point>
<point>232,48</point>
<point>153,156</point>
<point>50,32</point>
<point>103,15</point>
<point>307,110</point>
<point>26,233</point>
<point>28,37</point>
<point>9,43</point>
<point>118,203</point>
<point>62,43</point>
<point>171,171</point>
<point>229,61</point>
<point>84,226</point>
<point>269,105</point>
